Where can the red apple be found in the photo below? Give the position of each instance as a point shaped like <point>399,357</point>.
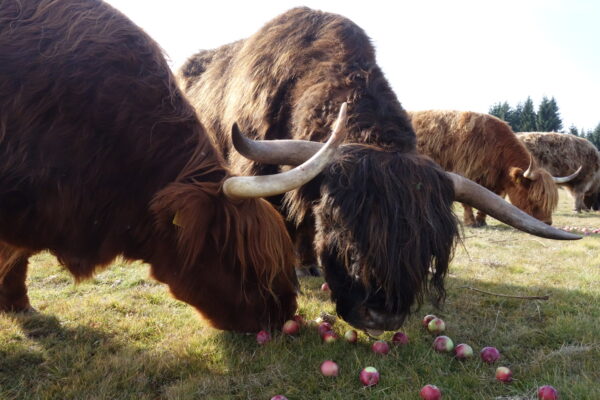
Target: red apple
<point>436,326</point>
<point>279,397</point>
<point>430,392</point>
<point>324,327</point>
<point>547,392</point>
<point>325,287</point>
<point>443,344</point>
<point>463,351</point>
<point>329,337</point>
<point>329,368</point>
<point>380,347</point>
<point>369,376</point>
<point>400,338</point>
<point>503,374</point>
<point>299,319</point>
<point>489,354</point>
<point>351,336</point>
<point>263,337</point>
<point>291,327</point>
<point>427,319</point>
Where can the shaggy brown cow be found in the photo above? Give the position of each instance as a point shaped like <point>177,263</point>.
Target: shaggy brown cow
<point>384,225</point>
<point>561,154</point>
<point>99,152</point>
<point>484,148</point>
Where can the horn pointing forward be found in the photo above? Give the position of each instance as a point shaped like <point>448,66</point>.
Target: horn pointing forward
<point>271,185</point>
<point>566,179</point>
<point>468,192</point>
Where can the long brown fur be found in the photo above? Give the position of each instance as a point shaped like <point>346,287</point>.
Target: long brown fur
<point>288,80</point>
<point>99,152</point>
<point>484,149</point>
<point>561,155</point>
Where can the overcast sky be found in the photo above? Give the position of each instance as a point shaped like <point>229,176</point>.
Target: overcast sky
<point>452,54</point>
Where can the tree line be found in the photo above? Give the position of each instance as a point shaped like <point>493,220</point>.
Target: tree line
<point>524,118</point>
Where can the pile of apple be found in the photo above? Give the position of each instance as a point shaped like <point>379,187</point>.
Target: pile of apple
<point>581,230</point>
<point>369,376</point>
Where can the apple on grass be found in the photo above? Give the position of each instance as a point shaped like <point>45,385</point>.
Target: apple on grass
<point>463,351</point>
<point>263,337</point>
<point>369,376</point>
<point>430,392</point>
<point>329,337</point>
<point>436,326</point>
<point>351,336</point>
<point>443,344</point>
<point>503,374</point>
<point>291,327</point>
<point>279,397</point>
<point>400,338</point>
<point>427,319</point>
<point>329,368</point>
<point>489,354</point>
<point>380,347</point>
<point>547,392</point>
<point>325,287</point>
<point>299,319</point>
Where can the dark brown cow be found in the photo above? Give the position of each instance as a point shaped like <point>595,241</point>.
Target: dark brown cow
<point>100,152</point>
<point>382,213</point>
<point>484,149</point>
<point>561,154</point>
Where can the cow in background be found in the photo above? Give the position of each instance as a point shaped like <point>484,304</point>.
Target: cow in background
<point>484,149</point>
<point>561,154</point>
<point>101,155</point>
<point>380,216</point>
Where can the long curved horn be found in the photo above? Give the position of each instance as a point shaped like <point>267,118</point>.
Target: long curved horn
<point>278,152</point>
<point>566,179</point>
<point>468,192</point>
<point>271,185</point>
<point>528,174</point>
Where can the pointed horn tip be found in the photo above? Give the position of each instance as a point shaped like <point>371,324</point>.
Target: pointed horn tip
<point>338,133</point>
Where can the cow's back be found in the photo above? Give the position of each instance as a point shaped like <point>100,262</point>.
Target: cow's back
<point>478,146</point>
<point>90,129</point>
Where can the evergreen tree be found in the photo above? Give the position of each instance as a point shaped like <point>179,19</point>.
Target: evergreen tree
<point>513,117</point>
<point>500,110</point>
<point>548,117</point>
<point>573,130</point>
<point>594,136</point>
<point>528,117</point>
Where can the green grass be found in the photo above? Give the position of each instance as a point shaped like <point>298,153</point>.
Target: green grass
<point>121,335</point>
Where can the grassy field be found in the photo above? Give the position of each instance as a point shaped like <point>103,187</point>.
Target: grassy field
<point>121,335</point>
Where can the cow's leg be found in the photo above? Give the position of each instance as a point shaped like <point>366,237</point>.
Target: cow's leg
<point>13,272</point>
<point>480,218</point>
<point>468,218</point>
<point>579,202</point>
<point>303,237</point>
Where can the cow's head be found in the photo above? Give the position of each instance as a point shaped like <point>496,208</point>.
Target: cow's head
<point>534,190</point>
<point>385,230</point>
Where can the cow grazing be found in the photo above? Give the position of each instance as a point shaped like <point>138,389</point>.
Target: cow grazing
<point>383,227</point>
<point>484,149</point>
<point>561,154</point>
<point>101,155</point>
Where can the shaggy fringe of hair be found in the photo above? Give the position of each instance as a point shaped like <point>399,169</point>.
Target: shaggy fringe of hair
<point>398,206</point>
<point>250,231</point>
<point>543,191</point>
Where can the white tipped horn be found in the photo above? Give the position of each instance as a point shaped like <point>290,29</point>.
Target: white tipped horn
<point>271,185</point>
<point>528,174</point>
<point>567,179</point>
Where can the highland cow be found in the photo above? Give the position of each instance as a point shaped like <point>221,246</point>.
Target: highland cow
<point>561,154</point>
<point>484,149</point>
<point>101,156</point>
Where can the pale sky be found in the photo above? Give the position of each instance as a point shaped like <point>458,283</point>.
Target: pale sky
<point>436,54</point>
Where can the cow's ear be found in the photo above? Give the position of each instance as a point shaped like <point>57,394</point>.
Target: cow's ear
<point>516,174</point>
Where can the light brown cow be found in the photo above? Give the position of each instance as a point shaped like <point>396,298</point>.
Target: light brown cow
<point>484,149</point>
